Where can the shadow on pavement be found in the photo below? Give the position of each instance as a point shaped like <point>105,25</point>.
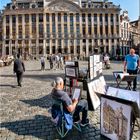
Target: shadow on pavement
<point>40,77</point>
<point>34,70</point>
<point>44,102</point>
<point>12,86</point>
<point>42,127</point>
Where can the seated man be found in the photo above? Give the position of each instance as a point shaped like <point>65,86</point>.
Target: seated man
<point>69,104</point>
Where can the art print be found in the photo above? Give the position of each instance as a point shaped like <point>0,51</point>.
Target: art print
<point>70,72</point>
<point>115,119</point>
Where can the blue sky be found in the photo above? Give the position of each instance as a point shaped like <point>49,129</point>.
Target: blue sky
<point>131,5</point>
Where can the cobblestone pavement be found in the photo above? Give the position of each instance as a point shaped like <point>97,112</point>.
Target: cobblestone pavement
<point>24,112</point>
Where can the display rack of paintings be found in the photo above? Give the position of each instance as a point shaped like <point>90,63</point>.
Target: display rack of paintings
<point>97,85</point>
<point>95,66</point>
<point>116,118</point>
<point>71,75</point>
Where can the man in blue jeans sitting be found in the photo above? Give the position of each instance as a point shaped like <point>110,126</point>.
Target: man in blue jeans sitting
<point>132,64</point>
<point>69,104</point>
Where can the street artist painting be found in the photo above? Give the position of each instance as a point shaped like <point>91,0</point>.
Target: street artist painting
<point>115,119</point>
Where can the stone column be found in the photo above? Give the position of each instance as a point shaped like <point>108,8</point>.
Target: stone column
<point>30,26</point>
<point>50,22</point>
<point>44,39</point>
<point>17,27</point>
<point>56,29</point>
<point>81,35</point>
<point>10,47</point>
<point>115,35</point>
<point>3,48</point>
<point>68,23</point>
<point>87,44</point>
<point>37,32</point>
<point>56,45</point>
<point>16,37</point>
<point>92,30</point>
<point>98,30</point>
<point>23,48</point>
<point>62,31</point>
<point>10,41</point>
<point>11,36</point>
<point>114,18</point>
<point>109,25</point>
<point>23,33</point>
<point>50,46</point>
<point>75,43</point>
<point>109,33</point>
<point>98,24</point>
<point>68,45</point>
<point>23,26</point>
<point>104,34</point>
<point>30,47</point>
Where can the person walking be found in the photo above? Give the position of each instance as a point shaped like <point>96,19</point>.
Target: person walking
<point>61,62</point>
<point>106,62</point>
<point>42,63</point>
<point>132,65</point>
<point>51,61</point>
<point>19,69</point>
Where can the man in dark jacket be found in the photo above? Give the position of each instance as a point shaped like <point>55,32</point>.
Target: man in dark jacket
<point>19,68</point>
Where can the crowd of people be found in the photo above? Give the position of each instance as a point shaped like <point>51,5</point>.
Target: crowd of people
<point>56,62</point>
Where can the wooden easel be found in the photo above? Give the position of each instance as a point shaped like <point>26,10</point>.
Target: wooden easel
<point>129,79</point>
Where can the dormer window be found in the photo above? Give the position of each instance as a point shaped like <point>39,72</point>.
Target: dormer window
<point>33,6</point>
<point>13,7</point>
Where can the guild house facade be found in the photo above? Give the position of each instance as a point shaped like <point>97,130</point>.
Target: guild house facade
<point>42,27</point>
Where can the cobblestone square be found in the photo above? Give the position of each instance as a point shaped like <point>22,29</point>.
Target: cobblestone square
<point>25,112</point>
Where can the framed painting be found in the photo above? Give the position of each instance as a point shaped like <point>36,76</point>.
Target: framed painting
<point>115,119</point>
<point>71,71</point>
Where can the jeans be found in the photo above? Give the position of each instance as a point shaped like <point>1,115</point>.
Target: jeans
<point>81,107</point>
<point>131,72</point>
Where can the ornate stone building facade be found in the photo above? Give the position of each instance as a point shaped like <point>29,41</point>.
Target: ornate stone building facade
<point>41,27</point>
<point>0,34</point>
<point>125,33</point>
<point>135,31</point>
